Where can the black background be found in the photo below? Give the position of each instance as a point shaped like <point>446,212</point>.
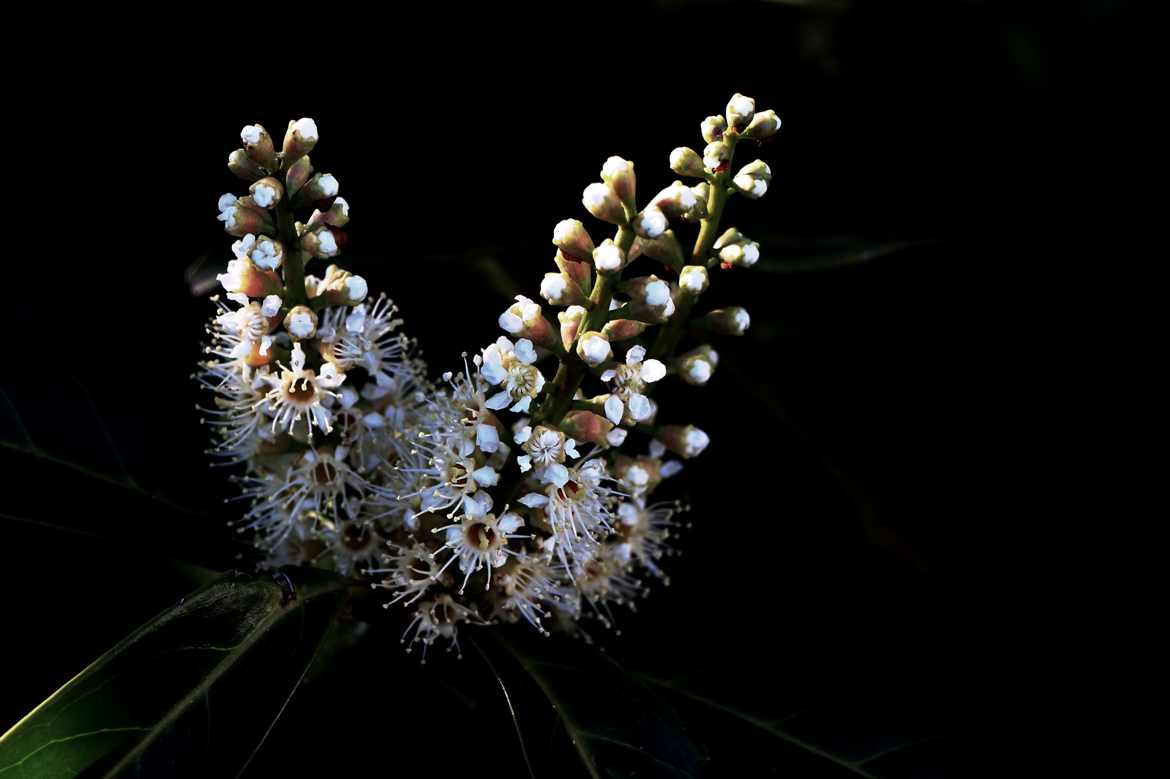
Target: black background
<point>842,562</point>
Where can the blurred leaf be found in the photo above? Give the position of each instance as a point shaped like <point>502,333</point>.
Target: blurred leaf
<point>618,725</point>
<point>194,692</point>
<point>833,260</point>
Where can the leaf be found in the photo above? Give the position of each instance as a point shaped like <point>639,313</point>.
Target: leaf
<point>834,260</point>
<point>618,725</point>
<point>195,691</point>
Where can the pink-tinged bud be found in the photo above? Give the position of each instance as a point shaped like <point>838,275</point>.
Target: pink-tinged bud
<point>297,175</point>
<point>588,427</point>
<point>244,280</point>
<point>339,287</point>
<point>712,128</point>
<point>696,366</point>
<point>740,110</point>
<point>524,319</point>
<point>693,280</point>
<point>244,166</point>
<point>686,162</point>
<point>321,186</point>
<point>560,290</point>
<point>622,329</point>
<point>666,249</point>
<point>651,299</point>
<point>651,223</point>
<point>688,441</point>
<point>593,348</point>
<point>266,192</point>
<point>619,175</point>
<point>338,213</point>
<point>322,242</point>
<point>676,200</point>
<point>580,273</point>
<point>300,138</point>
<point>609,257</point>
<point>258,144</point>
<point>733,320</point>
<point>301,322</point>
<point>571,319</point>
<point>242,217</point>
<point>601,201</point>
<point>716,156</point>
<point>571,237</point>
<point>763,125</point>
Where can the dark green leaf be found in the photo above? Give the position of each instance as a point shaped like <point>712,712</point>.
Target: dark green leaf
<point>193,692</point>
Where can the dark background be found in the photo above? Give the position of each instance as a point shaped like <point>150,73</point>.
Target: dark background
<point>848,520</point>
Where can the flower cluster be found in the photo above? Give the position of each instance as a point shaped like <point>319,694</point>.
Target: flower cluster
<point>313,384</point>
<point>508,491</point>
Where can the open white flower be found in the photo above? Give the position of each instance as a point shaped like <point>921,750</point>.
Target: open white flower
<point>510,366</point>
<point>300,392</point>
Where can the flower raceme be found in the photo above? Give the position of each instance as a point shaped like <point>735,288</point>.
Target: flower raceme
<point>503,492</point>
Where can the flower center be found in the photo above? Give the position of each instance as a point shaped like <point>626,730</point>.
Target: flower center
<point>302,391</point>
<point>482,536</point>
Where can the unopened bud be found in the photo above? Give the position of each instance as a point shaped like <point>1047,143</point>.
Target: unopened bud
<point>753,188</point>
<point>609,257</point>
<point>571,319</point>
<point>300,138</point>
<point>757,169</point>
<point>698,211</point>
<point>588,427</point>
<point>560,290</point>
<point>733,320</point>
<point>579,272</point>
<point>712,128</point>
<point>594,349</point>
<point>571,237</point>
<point>650,299</point>
<point>693,279</point>
<point>338,213</point>
<point>297,175</point>
<point>301,322</point>
<point>763,125</point>
<point>651,223</point>
<point>524,319</point>
<point>266,192</point>
<point>716,155</point>
<point>675,200</point>
<point>356,290</point>
<point>244,166</point>
<point>688,441</point>
<point>244,280</point>
<point>264,252</point>
<point>240,217</point>
<point>686,162</point>
<point>740,110</point>
<point>743,255</point>
<point>619,175</point>
<point>696,366</point>
<point>321,242</point>
<point>258,144</point>
<point>601,201</point>
<point>322,186</point>
<point>666,249</point>
<point>622,329</point>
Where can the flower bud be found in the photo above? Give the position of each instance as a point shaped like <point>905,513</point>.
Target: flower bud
<point>740,110</point>
<point>297,175</point>
<point>619,175</point>
<point>712,128</point>
<point>356,290</point>
<point>593,348</point>
<point>753,188</point>
<point>693,279</point>
<point>320,187</point>
<point>560,290</point>
<point>244,166</point>
<point>580,273</point>
<point>524,319</point>
<point>571,319</point>
<point>686,162</point>
<point>763,125</point>
<point>571,237</point>
<point>743,255</point>
<point>757,169</point>
<point>301,322</point>
<point>338,213</point>
<point>588,427</point>
<point>258,145</point>
<point>733,320</point>
<point>688,441</point>
<point>676,200</point>
<point>666,249</point>
<point>243,280</point>
<point>264,252</point>
<point>609,257</point>
<point>696,366</point>
<point>240,217</point>
<point>699,210</point>
<point>651,223</point>
<point>650,299</point>
<point>622,329</point>
<point>601,201</point>
<point>716,155</point>
<point>266,192</point>
<point>300,138</point>
<point>321,242</point>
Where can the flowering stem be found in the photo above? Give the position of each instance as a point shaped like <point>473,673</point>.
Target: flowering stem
<point>559,398</point>
<point>294,258</point>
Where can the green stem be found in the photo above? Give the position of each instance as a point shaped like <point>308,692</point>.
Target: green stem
<point>294,257</point>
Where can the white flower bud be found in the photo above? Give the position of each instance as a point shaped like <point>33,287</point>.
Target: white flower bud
<point>740,110</point>
<point>742,254</point>
<point>601,201</point>
<point>753,188</point>
<point>712,128</point>
<point>300,138</point>
<point>716,154</point>
<point>555,289</point>
<point>301,322</point>
<point>609,257</point>
<point>651,223</point>
<point>338,213</point>
<point>757,169</point>
<point>244,166</point>
<point>571,237</point>
<point>763,125</point>
<point>619,175</point>
<point>321,187</point>
<point>320,243</point>
<point>594,349</point>
<point>356,290</point>
<point>693,279</point>
<point>571,319</point>
<point>688,441</point>
<point>676,200</point>
<point>733,320</point>
<point>266,192</point>
<point>258,144</point>
<point>686,162</point>
<point>697,365</point>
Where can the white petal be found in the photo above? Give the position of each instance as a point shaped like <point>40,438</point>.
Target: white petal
<point>653,370</point>
<point>640,408</point>
<point>556,474</point>
<point>498,401</point>
<point>523,434</point>
<point>525,462</point>
<point>534,500</point>
<point>510,522</point>
<point>522,405</point>
<point>614,409</point>
<point>525,351</point>
<point>571,448</point>
<point>487,438</point>
<point>635,354</point>
<point>485,476</point>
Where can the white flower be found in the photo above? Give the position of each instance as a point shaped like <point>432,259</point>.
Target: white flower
<point>264,195</point>
<point>511,366</point>
<point>299,392</point>
<point>480,539</point>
